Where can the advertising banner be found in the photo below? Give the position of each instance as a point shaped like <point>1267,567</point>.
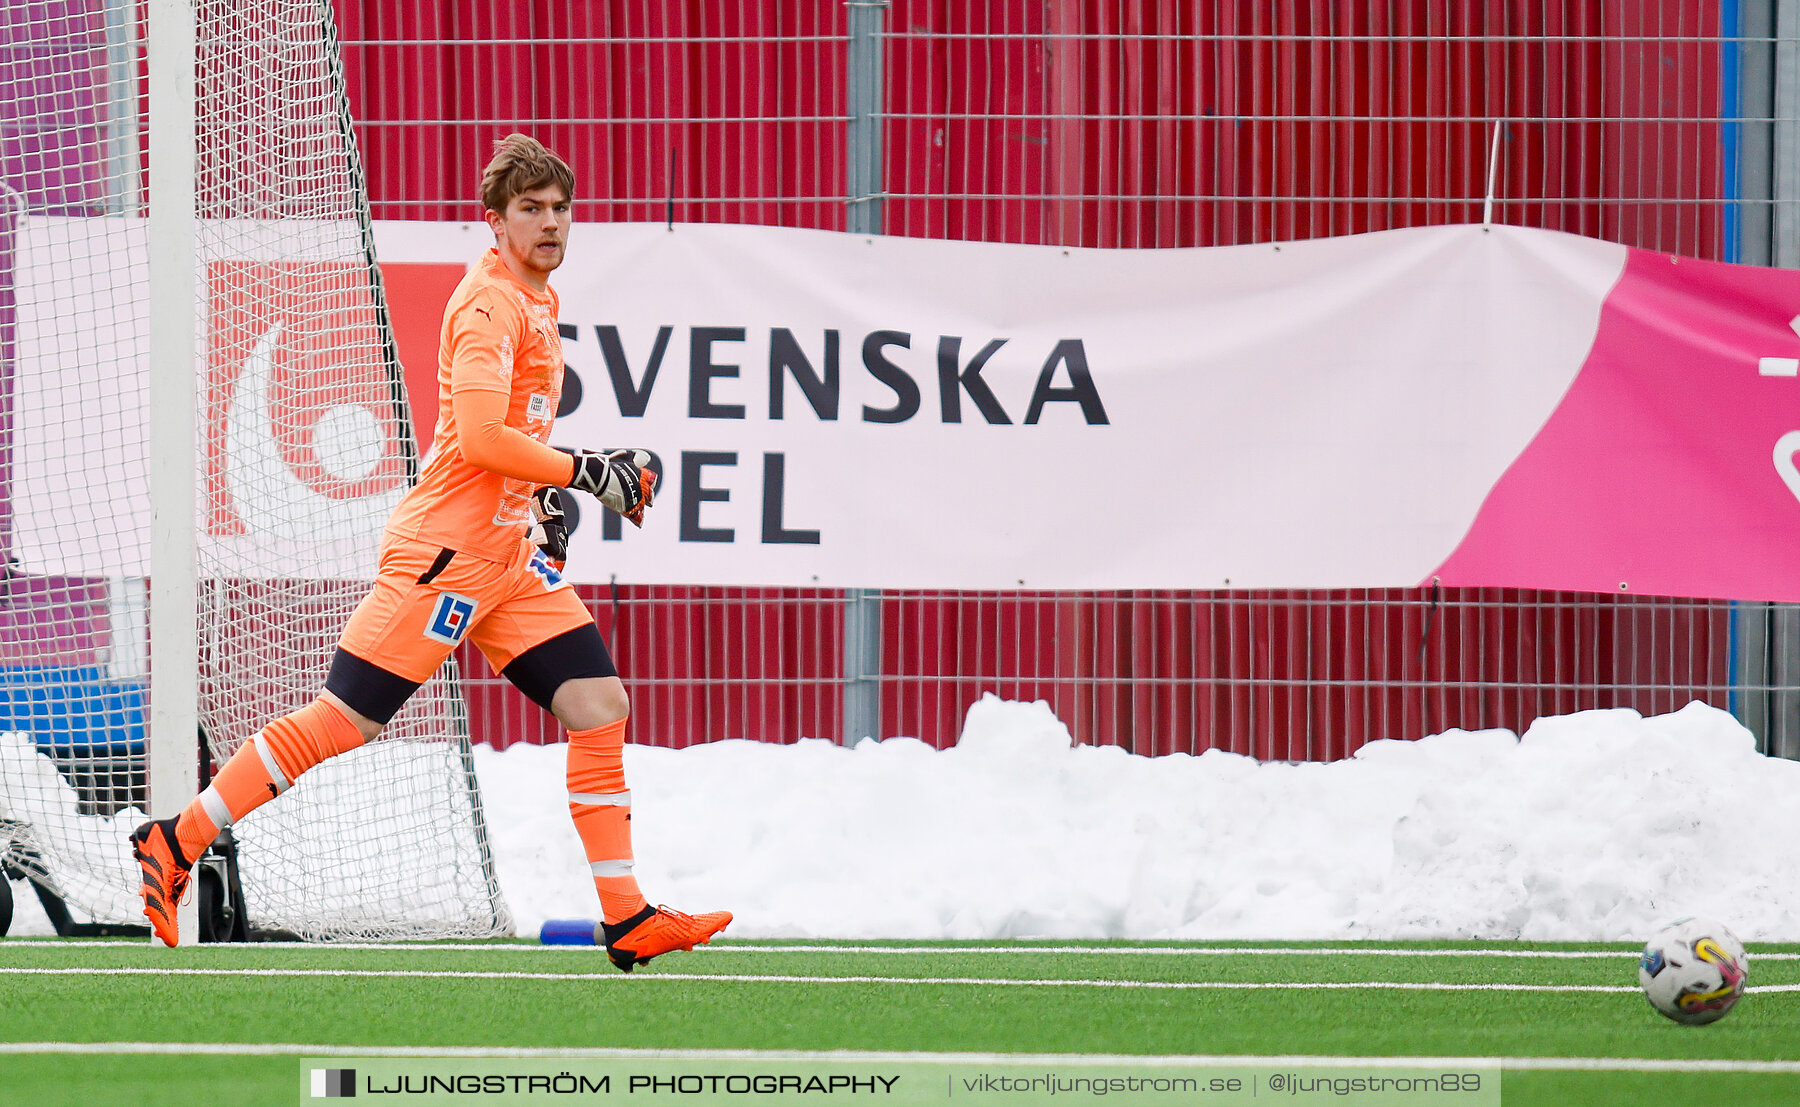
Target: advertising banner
<point>841,410</point>
<point>1484,406</point>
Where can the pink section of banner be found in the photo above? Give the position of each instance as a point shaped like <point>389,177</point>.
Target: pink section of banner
<point>1668,467</point>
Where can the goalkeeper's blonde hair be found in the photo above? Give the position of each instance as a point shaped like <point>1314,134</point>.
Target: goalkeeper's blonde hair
<point>520,164</point>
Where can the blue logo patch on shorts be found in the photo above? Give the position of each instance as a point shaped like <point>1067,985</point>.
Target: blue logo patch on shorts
<point>542,567</point>
<point>450,619</point>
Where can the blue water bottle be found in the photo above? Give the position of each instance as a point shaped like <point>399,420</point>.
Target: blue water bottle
<point>570,932</point>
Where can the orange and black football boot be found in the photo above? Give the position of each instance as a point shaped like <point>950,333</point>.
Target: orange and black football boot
<point>658,930</point>
<point>165,876</point>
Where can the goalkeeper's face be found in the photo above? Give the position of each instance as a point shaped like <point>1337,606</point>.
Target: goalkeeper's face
<point>532,233</point>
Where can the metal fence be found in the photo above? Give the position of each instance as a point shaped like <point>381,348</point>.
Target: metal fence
<point>1149,123</point>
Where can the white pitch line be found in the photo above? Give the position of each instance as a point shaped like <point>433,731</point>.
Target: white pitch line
<point>1227,951</point>
<point>1072,1060</point>
<point>1188,951</point>
<point>758,978</point>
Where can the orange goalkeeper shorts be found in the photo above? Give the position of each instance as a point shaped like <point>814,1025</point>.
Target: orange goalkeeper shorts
<point>427,600</point>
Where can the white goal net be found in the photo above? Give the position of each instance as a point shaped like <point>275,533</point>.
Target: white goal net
<point>303,448</point>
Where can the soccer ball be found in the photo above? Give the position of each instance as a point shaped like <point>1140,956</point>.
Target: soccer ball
<point>1693,971</point>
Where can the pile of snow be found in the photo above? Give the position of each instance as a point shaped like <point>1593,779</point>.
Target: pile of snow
<point>86,851</point>
<point>1594,826</point>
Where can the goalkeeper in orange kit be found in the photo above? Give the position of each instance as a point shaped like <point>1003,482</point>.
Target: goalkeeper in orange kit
<point>462,558</point>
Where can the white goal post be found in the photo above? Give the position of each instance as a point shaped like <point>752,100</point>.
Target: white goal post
<point>202,428</point>
<point>169,264</point>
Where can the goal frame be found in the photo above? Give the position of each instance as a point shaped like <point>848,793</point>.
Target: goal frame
<point>194,719</point>
<point>172,741</point>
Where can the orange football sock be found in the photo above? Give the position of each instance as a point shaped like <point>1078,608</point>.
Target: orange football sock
<point>601,807</point>
<point>262,769</point>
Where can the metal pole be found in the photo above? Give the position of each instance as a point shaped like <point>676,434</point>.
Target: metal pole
<point>1756,110</point>
<point>122,192</point>
<point>862,606</point>
<point>1766,636</point>
<point>1753,108</point>
<point>174,660</point>
<point>862,664</point>
<point>867,21</point>
<point>1783,737</point>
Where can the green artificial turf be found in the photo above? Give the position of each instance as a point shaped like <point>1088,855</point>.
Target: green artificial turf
<point>949,999</point>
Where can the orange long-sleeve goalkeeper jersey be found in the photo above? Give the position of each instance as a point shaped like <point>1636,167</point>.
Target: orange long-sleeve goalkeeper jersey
<point>500,371</point>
